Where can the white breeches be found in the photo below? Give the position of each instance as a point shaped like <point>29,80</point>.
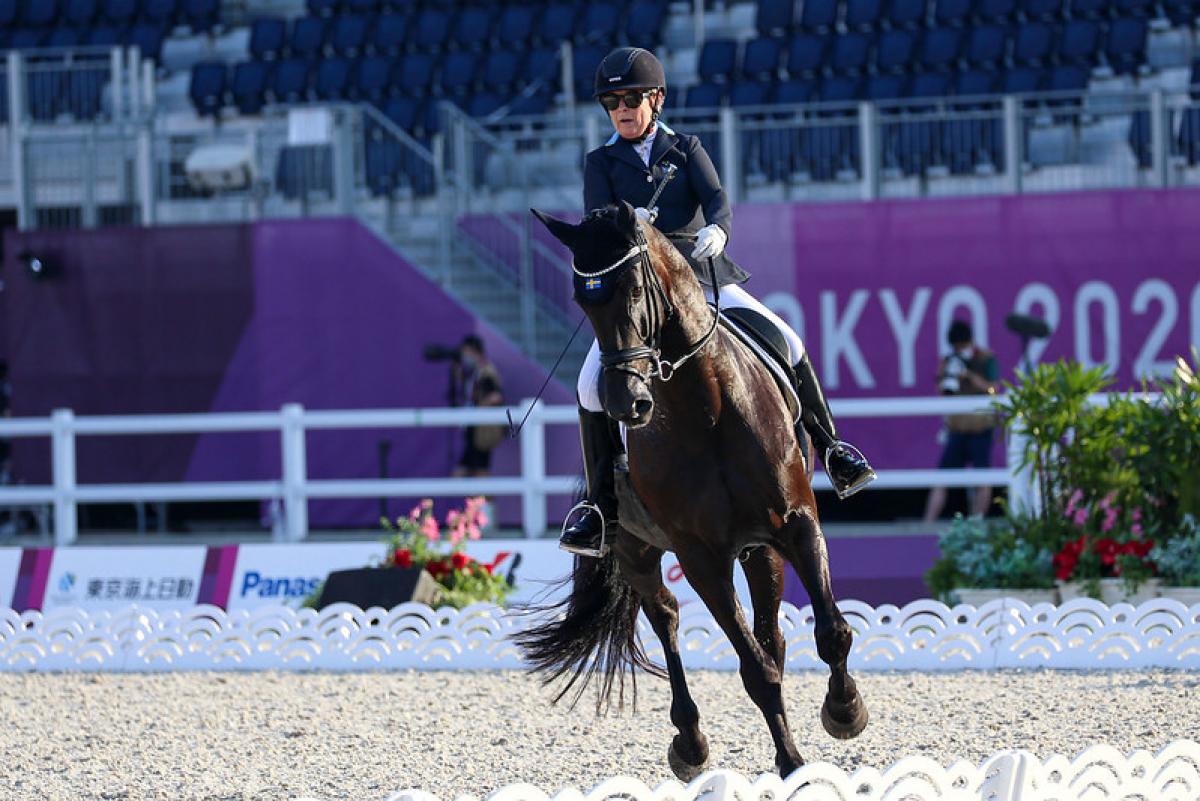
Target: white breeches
<point>732,297</point>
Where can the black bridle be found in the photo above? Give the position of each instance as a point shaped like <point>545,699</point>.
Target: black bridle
<point>659,312</point>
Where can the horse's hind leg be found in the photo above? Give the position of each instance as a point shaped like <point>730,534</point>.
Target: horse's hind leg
<point>712,578</point>
<point>844,715</point>
<point>763,567</point>
<point>640,564</point>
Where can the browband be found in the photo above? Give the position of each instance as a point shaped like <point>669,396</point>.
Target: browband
<point>636,250</point>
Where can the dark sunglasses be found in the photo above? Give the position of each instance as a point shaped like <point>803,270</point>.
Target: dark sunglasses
<point>632,100</point>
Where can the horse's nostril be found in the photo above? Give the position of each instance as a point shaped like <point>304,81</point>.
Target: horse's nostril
<point>642,407</point>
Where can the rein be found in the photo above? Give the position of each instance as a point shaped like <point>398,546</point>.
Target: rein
<point>660,311</point>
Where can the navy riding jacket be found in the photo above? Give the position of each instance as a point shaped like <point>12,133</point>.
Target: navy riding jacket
<point>693,199</point>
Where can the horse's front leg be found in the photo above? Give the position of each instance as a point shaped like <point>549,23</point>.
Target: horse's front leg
<point>844,714</point>
<point>711,575</point>
<point>763,567</point>
<point>640,564</point>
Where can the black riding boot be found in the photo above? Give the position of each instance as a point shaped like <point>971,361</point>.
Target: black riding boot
<point>845,465</point>
<point>592,533</point>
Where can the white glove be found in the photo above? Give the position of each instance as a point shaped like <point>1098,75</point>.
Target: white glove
<point>644,214</point>
<point>710,242</point>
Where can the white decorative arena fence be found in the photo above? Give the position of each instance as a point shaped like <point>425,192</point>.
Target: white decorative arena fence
<point>1100,773</point>
<point>923,635</point>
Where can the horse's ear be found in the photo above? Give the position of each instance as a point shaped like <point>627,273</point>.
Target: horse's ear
<point>626,216</point>
<point>563,231</point>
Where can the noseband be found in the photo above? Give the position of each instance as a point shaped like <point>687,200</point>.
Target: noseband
<point>660,310</point>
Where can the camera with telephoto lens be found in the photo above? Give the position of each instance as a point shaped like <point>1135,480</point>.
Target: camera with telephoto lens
<point>955,367</point>
<point>435,352</point>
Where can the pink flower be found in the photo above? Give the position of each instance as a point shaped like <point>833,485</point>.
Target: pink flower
<point>1080,517</point>
<point>415,514</point>
<point>1106,501</point>
<point>1136,529</point>
<point>473,532</point>
<point>1136,515</point>
<point>1110,520</point>
<point>430,529</point>
<point>1075,498</point>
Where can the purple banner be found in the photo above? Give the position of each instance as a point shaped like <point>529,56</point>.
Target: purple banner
<point>873,287</point>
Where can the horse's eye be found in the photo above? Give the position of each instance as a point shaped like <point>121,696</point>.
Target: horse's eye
<point>637,293</point>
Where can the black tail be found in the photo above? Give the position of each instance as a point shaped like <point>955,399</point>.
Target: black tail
<point>593,633</point>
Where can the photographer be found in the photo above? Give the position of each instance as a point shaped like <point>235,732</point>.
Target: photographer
<point>476,383</point>
<point>967,370</point>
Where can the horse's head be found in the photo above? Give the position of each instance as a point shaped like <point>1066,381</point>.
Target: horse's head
<point>625,299</point>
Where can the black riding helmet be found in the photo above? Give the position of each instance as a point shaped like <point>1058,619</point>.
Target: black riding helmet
<point>631,68</point>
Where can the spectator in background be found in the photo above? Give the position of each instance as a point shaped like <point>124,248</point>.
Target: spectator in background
<point>478,384</point>
<point>967,370</point>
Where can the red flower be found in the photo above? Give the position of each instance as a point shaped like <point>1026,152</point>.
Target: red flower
<point>437,568</point>
<point>1066,559</point>
<point>459,560</point>
<point>402,557</point>
<point>1107,549</point>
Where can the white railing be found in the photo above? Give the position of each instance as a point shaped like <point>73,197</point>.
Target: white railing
<point>294,488</point>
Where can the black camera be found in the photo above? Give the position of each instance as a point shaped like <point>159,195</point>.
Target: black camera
<point>951,383</point>
<point>435,352</point>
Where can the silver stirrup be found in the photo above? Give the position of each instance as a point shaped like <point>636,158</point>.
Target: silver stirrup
<point>862,482</point>
<point>595,553</point>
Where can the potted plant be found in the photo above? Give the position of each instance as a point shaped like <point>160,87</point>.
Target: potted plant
<point>428,556</point>
<point>1178,561</point>
<point>1110,558</point>
<point>983,560</point>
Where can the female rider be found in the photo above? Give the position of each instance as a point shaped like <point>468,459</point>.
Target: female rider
<point>631,86</point>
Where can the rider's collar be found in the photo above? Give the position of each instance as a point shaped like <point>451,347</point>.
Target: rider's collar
<point>616,137</point>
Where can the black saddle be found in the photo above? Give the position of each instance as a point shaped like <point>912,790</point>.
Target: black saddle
<point>768,343</point>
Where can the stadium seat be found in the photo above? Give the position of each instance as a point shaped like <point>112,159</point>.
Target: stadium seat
<point>1022,80</point>
<point>76,13</point>
<point>600,23</point>
<point>718,58</point>
<point>995,11</point>
<point>390,33</point>
<point>761,59</point>
<point>8,14</point>
<point>371,80</point>
<point>795,90</point>
<point>201,16</point>
<point>774,16</point>
<point>516,24</point>
<point>862,15</point>
<point>248,86</point>
<point>164,13</point>
<point>584,61</point>
<point>839,89</point>
<point>402,110</point>
<point>64,38</point>
<point>850,51</point>
<point>895,50</point>
<point>1080,42</point>
<point>1044,10</point>
<point>818,15</point>
<point>44,92</point>
<point>323,8</point>
<point>473,27</point>
<point>304,171</point>
<point>332,79</point>
<point>1033,44</point>
<point>349,34</point>
<point>952,13</point>
<point>27,38</point>
<point>308,37</point>
<point>884,87</point>
<point>644,24</point>
<point>267,38</point>
<point>975,83</point>
<point>533,103</point>
<point>1091,9</point>
<point>290,80</point>
<point>1134,8</point>
<point>1180,13</point>
<point>148,39</point>
<point>484,104</point>
<point>459,72</point>
<point>364,7</point>
<point>557,23</point>
<point>431,29</point>
<point>1126,48</point>
<point>940,48</point>
<point>930,84</point>
<point>806,54</point>
<point>906,13</point>
<point>120,13</point>
<point>968,143</point>
<point>987,45</point>
<point>543,65</point>
<point>1067,78</point>
<point>704,95</point>
<point>429,118</point>
<point>104,36</point>
<point>207,89</point>
<point>381,161</point>
<point>41,14</point>
<point>749,93</point>
<point>501,69</point>
<point>1189,136</point>
<point>414,73</point>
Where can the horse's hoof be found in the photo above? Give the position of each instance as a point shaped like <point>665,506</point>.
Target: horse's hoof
<point>845,729</point>
<point>685,771</point>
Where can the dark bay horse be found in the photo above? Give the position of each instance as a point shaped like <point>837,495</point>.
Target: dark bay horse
<point>715,471</point>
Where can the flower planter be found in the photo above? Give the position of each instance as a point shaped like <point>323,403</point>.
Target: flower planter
<point>978,597</point>
<point>379,586</point>
<point>1112,591</point>
<point>1188,596</point>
